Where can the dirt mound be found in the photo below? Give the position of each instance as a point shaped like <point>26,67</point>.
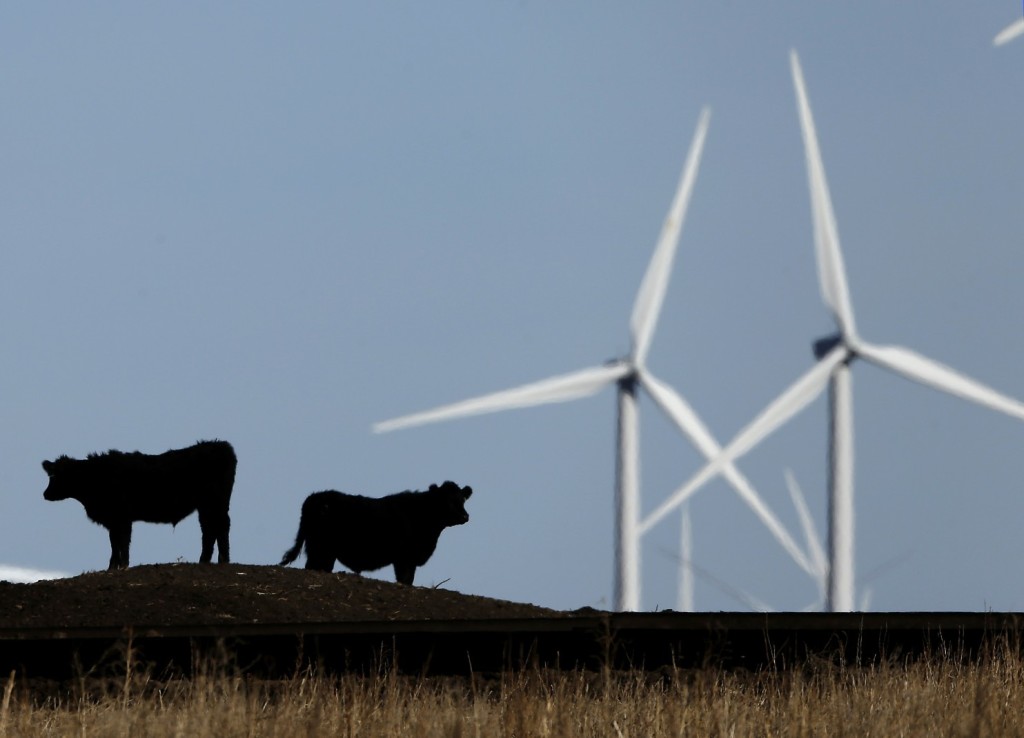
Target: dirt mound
<point>215,594</point>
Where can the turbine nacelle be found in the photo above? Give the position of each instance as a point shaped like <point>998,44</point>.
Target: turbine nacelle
<point>823,346</point>
<point>630,378</point>
<point>827,344</point>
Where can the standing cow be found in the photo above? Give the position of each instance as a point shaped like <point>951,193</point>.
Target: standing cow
<point>365,534</point>
<point>119,488</point>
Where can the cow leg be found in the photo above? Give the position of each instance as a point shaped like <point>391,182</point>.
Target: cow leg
<point>404,573</point>
<point>214,527</point>
<point>223,553</point>
<point>120,539</point>
<point>209,537</point>
<point>115,552</point>
<point>320,564</point>
<point>318,558</point>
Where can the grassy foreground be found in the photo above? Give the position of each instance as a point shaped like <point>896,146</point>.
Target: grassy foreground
<point>940,697</point>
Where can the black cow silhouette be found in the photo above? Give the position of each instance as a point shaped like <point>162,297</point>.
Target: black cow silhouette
<point>366,533</point>
<point>119,488</point>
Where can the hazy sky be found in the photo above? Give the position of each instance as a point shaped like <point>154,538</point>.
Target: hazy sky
<point>278,224</point>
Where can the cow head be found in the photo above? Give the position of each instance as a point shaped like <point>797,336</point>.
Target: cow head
<point>58,488</point>
<point>452,502</point>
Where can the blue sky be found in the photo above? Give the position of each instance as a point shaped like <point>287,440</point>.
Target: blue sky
<point>278,226</point>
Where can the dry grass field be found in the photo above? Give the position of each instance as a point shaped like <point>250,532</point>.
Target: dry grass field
<point>957,694</point>
<point>940,697</point>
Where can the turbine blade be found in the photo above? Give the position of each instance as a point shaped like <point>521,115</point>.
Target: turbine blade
<point>766,516</point>
<point>556,389</point>
<point>652,289</point>
<point>1009,33</point>
<point>693,428</point>
<point>831,272</point>
<point>800,394</point>
<point>810,531</point>
<point>927,371</point>
<point>679,411</point>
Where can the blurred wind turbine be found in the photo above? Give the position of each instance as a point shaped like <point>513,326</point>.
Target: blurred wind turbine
<point>810,535</point>
<point>1009,33</point>
<point>685,596</point>
<point>687,569</point>
<point>628,373</point>
<point>685,604</point>
<point>26,575</point>
<point>835,354</point>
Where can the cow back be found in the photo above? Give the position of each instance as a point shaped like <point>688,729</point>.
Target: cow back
<point>155,488</point>
<point>366,533</point>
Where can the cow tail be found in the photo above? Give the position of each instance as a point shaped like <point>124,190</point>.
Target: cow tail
<point>300,538</point>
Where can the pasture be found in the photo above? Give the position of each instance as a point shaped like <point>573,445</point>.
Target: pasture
<point>940,697</point>
<point>942,674</point>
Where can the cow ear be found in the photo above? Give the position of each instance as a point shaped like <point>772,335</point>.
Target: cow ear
<point>466,492</point>
<point>48,467</point>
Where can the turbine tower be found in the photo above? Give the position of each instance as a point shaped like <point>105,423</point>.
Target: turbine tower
<point>628,374</point>
<point>835,353</point>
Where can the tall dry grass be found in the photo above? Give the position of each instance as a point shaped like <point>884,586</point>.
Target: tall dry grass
<point>937,697</point>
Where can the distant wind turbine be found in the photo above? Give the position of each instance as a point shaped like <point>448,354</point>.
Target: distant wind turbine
<point>627,374</point>
<point>687,569</point>
<point>796,494</point>
<point>1009,33</point>
<point>25,575</point>
<point>752,603</point>
<point>835,353</point>
<point>685,594</point>
<point>810,536</point>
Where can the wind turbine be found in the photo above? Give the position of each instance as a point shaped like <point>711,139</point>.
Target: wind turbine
<point>687,569</point>
<point>1009,33</point>
<point>835,353</point>
<point>27,575</point>
<point>628,374</point>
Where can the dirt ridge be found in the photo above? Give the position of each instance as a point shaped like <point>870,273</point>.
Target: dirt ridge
<point>213,594</point>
